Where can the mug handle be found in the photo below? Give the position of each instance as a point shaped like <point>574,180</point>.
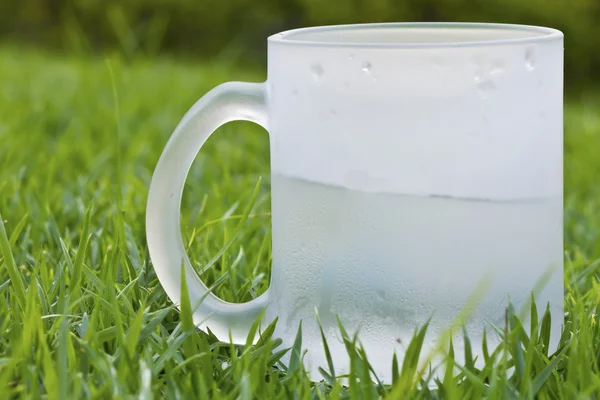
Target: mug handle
<point>228,102</point>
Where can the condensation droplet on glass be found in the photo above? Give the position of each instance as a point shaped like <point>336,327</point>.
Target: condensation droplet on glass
<point>530,59</point>
<point>497,67</point>
<point>333,111</point>
<point>317,71</point>
<point>351,57</point>
<point>366,67</point>
<point>478,74</point>
<point>346,84</point>
<point>486,88</point>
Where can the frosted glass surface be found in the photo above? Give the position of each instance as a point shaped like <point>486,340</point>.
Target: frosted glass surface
<point>479,122</point>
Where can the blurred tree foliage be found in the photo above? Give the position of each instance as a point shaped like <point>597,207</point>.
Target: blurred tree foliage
<point>238,28</point>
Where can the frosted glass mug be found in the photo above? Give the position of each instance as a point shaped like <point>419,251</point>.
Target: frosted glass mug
<point>410,163</point>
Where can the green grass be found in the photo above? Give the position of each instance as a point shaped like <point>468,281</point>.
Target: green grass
<point>82,313</point>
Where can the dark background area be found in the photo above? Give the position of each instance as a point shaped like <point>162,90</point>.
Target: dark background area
<point>236,30</point>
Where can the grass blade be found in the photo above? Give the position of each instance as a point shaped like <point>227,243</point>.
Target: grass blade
<point>543,376</point>
<point>62,366</point>
<point>238,229</point>
<point>533,314</point>
<point>410,364</point>
<point>545,330</point>
<point>267,334</point>
<point>9,262</point>
<point>469,363</point>
<point>134,331</point>
<point>326,347</point>
<point>77,274</point>
<point>187,323</point>
<point>14,236</point>
<point>517,350</point>
<point>395,373</point>
<point>253,329</point>
<point>327,377</point>
<point>296,355</point>
<point>484,346</point>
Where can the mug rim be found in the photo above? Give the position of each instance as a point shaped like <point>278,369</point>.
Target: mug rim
<point>544,34</point>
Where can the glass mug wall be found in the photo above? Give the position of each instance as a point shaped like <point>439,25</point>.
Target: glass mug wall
<point>410,163</point>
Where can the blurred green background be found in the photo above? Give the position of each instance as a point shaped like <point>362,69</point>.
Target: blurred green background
<point>235,30</point>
